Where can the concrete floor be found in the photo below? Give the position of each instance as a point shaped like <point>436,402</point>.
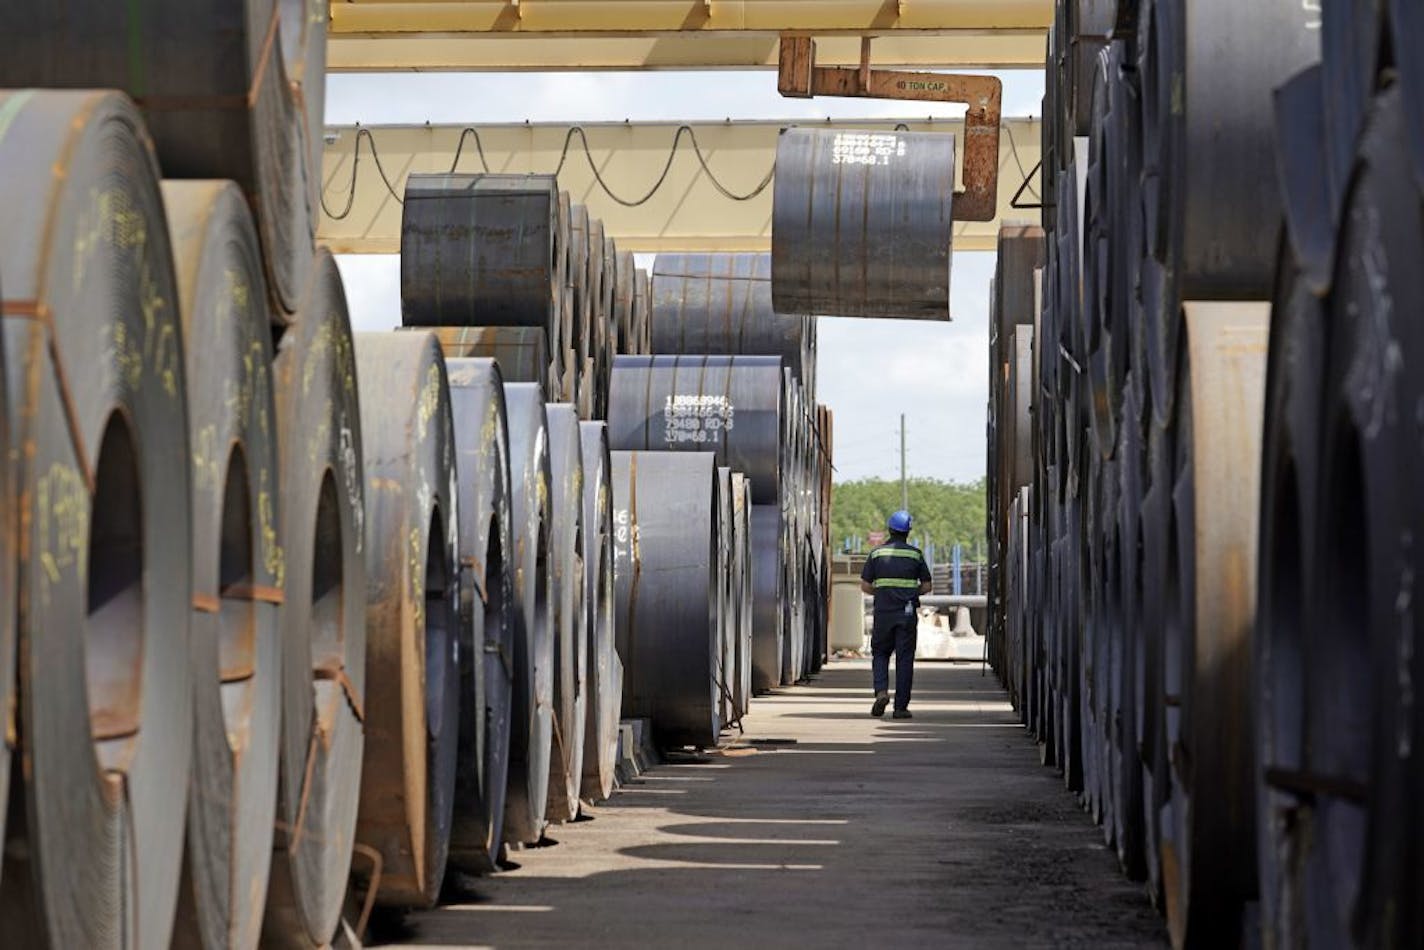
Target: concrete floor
<point>837,830</point>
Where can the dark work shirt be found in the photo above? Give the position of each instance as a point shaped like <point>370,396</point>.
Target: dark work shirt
<point>896,569</point>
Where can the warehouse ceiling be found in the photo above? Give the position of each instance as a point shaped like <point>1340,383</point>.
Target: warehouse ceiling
<point>712,194</point>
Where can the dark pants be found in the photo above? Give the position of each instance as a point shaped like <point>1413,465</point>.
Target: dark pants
<point>896,634</point>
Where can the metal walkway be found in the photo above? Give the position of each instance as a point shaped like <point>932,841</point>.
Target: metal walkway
<point>832,829</point>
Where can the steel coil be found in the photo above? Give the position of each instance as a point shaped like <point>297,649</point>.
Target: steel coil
<point>488,610</point>
<point>1208,616</point>
<point>1359,780</point>
<point>532,724</point>
<point>8,564</point>
<point>302,32</point>
<point>1406,22</point>
<point>238,567</point>
<point>1131,455</point>
<point>413,618</point>
<point>641,344</point>
<point>226,108</point>
<point>745,572</point>
<point>570,611</point>
<point>521,352</point>
<point>721,304</point>
<point>95,363</point>
<point>323,620</point>
<point>1350,37</point>
<point>726,667</point>
<point>767,577</point>
<point>605,670</point>
<point>481,250</point>
<point>606,330</point>
<point>1289,494</point>
<point>624,291</point>
<point>890,258</point>
<point>734,406</point>
<point>665,557</point>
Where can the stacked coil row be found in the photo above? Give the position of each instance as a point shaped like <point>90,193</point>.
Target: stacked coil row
<point>1204,579</point>
<point>507,267</point>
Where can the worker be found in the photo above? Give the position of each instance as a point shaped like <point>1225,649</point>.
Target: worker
<point>895,574</point>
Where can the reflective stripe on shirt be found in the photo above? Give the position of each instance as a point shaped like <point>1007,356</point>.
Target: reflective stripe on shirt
<point>906,582</point>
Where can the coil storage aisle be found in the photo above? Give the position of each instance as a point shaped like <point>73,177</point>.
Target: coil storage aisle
<point>1209,576</point>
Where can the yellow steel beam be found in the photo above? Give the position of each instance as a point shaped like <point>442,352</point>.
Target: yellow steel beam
<point>473,52</point>
<point>652,34</point>
<point>636,17</point>
<point>693,209</point>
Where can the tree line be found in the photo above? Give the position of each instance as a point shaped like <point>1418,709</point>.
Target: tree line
<point>946,513</point>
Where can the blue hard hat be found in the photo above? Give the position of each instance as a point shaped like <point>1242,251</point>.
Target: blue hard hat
<point>900,522</point>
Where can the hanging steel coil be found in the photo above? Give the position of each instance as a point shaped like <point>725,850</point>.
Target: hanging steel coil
<point>413,618</point>
<point>98,399</point>
<point>605,670</point>
<point>862,223</point>
<point>487,608</point>
<point>322,536</point>
<point>482,250</point>
<point>238,566</point>
<point>243,121</point>
<point>734,406</point>
<point>721,304</point>
<point>666,553</point>
<point>571,596</point>
<point>532,725</point>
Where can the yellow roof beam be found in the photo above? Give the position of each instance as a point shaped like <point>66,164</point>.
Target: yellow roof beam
<point>370,35</point>
<point>635,17</point>
<point>690,211</point>
<point>526,51</point>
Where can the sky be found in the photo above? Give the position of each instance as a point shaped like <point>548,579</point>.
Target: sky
<point>868,371</point>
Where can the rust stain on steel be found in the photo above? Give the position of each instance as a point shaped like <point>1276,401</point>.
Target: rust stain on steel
<point>799,77</point>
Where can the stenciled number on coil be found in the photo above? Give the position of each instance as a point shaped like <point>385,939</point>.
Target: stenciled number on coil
<point>697,418</point>
<point>866,148</point>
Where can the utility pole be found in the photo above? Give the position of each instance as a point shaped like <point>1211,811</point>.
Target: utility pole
<point>904,488</point>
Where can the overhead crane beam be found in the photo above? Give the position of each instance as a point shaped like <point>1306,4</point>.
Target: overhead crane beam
<point>678,34</point>
<point>695,208</point>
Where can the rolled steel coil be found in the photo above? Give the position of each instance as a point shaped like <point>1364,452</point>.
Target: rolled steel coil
<point>9,545</point>
<point>1152,749</point>
<point>745,572</point>
<point>322,535</point>
<point>238,565</point>
<point>1359,781</point>
<point>413,618</point>
<point>665,556</point>
<point>571,597</point>
<point>1209,177</point>
<point>562,366</point>
<point>862,223</point>
<point>641,344</point>
<point>1129,817</point>
<point>1290,492</point>
<point>95,358</point>
<point>596,292</point>
<point>1207,619</point>
<point>606,329</point>
<point>226,109</point>
<point>605,670</point>
<point>1351,34</point>
<point>726,669</point>
<point>1406,33</point>
<point>482,250</point>
<point>734,406</point>
<point>1112,240</point>
<point>767,594</point>
<point>521,352</point>
<point>487,606</point>
<point>532,725</point>
<point>624,291</point>
<point>302,32</point>
<point>1086,25</point>
<point>721,304</point>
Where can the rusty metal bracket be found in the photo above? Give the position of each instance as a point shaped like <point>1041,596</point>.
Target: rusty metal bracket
<point>799,77</point>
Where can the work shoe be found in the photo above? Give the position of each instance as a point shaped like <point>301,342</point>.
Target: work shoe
<point>901,714</point>
<point>881,701</point>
